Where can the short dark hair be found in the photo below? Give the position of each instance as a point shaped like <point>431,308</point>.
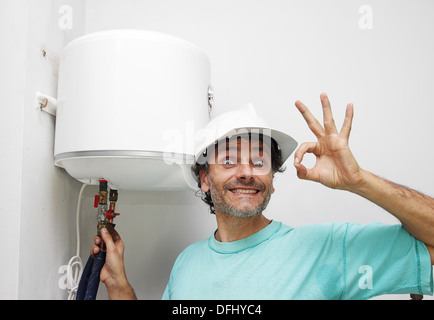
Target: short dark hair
<point>276,166</point>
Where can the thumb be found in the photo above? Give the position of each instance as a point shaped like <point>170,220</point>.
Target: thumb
<point>108,240</point>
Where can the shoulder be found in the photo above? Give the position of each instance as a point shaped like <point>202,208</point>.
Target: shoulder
<point>312,237</point>
<point>339,233</point>
<point>345,229</point>
<point>192,251</point>
<point>196,246</point>
<point>322,231</point>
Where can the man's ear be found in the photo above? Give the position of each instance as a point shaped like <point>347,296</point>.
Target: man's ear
<point>204,180</point>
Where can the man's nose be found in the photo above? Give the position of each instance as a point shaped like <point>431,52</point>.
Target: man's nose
<point>245,172</point>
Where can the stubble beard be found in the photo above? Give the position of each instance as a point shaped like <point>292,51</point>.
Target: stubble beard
<point>242,211</point>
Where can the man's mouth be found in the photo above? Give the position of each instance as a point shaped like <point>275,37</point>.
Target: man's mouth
<point>244,191</point>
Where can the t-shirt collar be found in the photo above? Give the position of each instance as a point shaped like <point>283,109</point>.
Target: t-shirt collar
<point>246,243</point>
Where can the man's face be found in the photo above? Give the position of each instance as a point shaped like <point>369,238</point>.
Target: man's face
<point>240,178</point>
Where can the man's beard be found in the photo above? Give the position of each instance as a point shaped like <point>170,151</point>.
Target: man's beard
<point>220,204</point>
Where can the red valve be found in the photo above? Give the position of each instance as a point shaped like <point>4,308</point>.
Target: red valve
<point>96,201</point>
<point>111,214</point>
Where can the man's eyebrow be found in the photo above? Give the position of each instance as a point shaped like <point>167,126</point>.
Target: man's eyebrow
<point>233,148</point>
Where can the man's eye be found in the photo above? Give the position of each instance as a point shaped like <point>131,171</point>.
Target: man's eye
<point>228,162</point>
<point>258,163</point>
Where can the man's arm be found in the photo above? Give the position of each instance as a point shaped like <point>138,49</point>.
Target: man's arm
<point>337,168</point>
<point>414,209</point>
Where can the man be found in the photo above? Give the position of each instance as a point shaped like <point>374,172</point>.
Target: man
<point>253,257</point>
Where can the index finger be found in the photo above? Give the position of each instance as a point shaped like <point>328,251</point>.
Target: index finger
<point>311,121</point>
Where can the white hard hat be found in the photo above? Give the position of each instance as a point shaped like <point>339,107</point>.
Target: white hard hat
<point>241,120</point>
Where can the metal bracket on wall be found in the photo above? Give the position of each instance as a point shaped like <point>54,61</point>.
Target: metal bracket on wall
<point>46,103</point>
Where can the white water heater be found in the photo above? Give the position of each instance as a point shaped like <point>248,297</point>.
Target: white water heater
<point>128,106</point>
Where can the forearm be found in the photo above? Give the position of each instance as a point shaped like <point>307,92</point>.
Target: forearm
<point>120,291</point>
<point>414,209</point>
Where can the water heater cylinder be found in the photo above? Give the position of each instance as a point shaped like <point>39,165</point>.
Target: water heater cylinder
<point>129,105</point>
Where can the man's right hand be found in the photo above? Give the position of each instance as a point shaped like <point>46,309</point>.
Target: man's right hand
<point>113,273</point>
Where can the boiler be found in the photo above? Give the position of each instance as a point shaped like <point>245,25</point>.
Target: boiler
<point>129,105</point>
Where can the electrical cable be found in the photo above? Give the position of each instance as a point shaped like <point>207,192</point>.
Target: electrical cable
<point>75,265</point>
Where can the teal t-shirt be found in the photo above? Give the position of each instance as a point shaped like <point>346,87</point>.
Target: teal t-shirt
<point>323,261</point>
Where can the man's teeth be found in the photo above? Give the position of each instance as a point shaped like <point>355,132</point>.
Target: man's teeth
<point>244,191</point>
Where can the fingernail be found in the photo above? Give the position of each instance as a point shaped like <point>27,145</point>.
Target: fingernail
<point>104,230</point>
<point>296,161</point>
<point>95,250</point>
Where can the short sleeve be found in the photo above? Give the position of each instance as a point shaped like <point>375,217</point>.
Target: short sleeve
<point>384,259</point>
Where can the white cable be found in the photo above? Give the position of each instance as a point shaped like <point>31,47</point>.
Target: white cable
<point>73,279</point>
<point>75,265</point>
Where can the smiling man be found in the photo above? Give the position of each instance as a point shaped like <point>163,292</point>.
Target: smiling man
<point>252,257</point>
<point>239,183</point>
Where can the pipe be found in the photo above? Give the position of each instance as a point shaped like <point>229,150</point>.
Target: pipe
<point>102,208</point>
<point>90,278</point>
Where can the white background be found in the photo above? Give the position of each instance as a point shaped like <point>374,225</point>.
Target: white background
<point>270,53</point>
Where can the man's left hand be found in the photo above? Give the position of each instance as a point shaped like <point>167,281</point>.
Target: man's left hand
<point>335,165</point>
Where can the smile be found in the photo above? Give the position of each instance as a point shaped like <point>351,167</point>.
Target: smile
<point>244,191</point>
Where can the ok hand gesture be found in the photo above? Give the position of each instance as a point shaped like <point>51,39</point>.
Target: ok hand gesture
<point>335,165</point>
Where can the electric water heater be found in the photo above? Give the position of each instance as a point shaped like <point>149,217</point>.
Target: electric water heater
<point>129,104</point>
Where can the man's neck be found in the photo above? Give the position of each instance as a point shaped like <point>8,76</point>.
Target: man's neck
<point>231,228</point>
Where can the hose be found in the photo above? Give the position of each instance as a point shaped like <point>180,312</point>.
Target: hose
<point>84,280</point>
<point>89,282</point>
<point>93,284</point>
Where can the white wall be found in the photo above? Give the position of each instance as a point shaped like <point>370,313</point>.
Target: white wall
<point>37,199</point>
<point>267,52</point>
<point>11,140</point>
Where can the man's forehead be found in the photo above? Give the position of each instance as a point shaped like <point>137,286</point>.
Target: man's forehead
<point>243,142</point>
